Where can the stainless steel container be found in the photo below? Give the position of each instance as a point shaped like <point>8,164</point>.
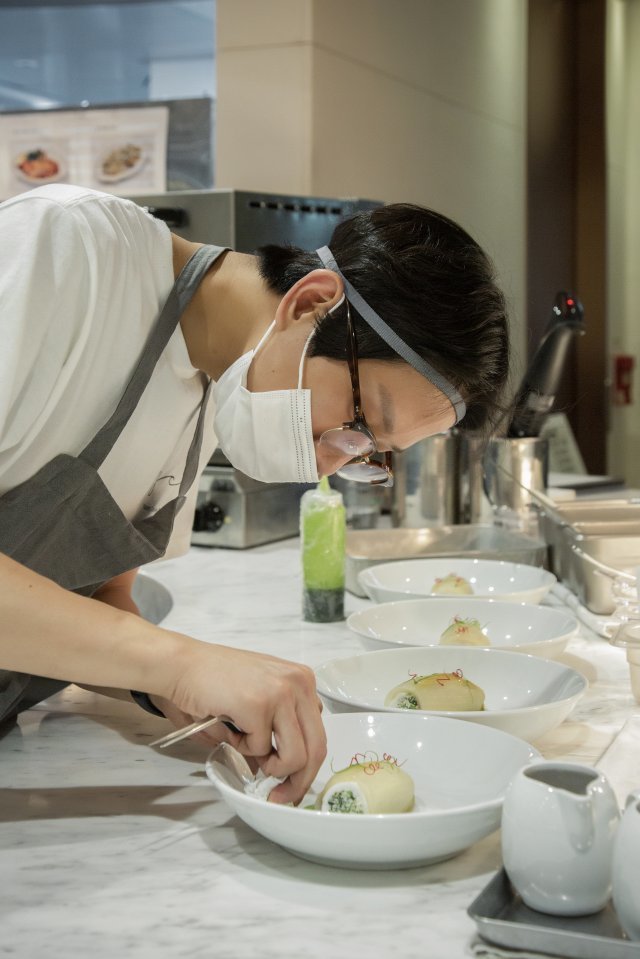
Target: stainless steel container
<point>364,503</point>
<point>607,531</point>
<point>613,510</point>
<point>512,467</point>
<point>425,489</point>
<point>473,505</point>
<point>439,481</point>
<point>593,587</point>
<point>369,547</point>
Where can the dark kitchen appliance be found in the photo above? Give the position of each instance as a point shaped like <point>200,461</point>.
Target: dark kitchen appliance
<point>537,393</point>
<point>232,509</point>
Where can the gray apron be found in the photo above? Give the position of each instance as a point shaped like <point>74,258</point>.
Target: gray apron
<point>63,522</point>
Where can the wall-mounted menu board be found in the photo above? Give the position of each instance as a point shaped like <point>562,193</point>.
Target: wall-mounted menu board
<point>118,149</point>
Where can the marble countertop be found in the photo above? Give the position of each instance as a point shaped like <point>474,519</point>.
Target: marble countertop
<point>109,848</point>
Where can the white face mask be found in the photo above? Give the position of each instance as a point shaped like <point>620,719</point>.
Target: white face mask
<point>268,436</point>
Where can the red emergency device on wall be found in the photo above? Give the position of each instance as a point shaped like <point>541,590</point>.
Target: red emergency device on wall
<point>623,366</point>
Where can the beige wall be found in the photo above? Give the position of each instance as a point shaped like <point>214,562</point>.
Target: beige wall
<point>623,164</point>
<point>417,100</point>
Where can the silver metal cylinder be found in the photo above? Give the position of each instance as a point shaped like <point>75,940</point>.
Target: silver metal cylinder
<point>426,490</point>
<point>514,466</point>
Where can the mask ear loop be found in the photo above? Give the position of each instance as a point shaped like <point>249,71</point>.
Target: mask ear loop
<point>263,338</point>
<point>309,338</point>
<point>336,305</point>
<point>303,357</point>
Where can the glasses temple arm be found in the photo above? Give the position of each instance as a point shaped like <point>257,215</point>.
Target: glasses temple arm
<point>352,361</point>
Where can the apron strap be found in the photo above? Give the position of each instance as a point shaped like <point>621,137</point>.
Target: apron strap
<point>193,456</point>
<point>185,286</point>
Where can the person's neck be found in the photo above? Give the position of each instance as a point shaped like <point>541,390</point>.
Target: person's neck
<point>229,312</point>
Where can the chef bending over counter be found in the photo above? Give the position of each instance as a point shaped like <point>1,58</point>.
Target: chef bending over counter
<point>128,354</point>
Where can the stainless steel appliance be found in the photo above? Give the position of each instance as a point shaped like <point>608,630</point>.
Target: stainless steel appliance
<point>236,511</point>
<point>245,220</point>
<point>232,509</point>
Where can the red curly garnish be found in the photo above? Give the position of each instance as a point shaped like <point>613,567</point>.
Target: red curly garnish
<point>392,760</point>
<point>443,678</point>
<point>371,762</point>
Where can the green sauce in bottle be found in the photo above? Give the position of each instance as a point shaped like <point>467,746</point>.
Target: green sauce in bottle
<point>322,533</point>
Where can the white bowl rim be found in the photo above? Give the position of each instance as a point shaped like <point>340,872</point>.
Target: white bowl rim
<point>478,562</point>
<point>506,607</point>
<point>460,714</point>
<point>547,578</point>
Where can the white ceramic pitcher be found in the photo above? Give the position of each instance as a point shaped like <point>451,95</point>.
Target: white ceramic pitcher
<point>558,826</point>
<point>626,868</point>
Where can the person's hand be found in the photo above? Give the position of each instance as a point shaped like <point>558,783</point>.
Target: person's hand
<point>272,700</point>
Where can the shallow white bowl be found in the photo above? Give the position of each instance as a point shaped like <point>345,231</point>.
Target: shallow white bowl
<point>460,771</point>
<point>524,695</point>
<point>538,630</point>
<point>489,579</point>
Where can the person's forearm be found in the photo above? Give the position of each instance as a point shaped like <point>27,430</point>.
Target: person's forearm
<point>117,592</point>
<point>48,631</point>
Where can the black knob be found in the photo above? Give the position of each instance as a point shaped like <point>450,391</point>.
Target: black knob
<point>209,518</point>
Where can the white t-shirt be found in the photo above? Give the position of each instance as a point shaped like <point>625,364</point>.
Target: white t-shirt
<point>83,277</point>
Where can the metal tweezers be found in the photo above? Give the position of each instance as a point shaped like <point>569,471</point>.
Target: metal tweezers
<point>178,734</point>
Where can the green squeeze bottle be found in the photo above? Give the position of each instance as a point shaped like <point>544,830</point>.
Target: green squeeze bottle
<point>322,532</point>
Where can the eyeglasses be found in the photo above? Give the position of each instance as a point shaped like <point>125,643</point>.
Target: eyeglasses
<point>355,438</point>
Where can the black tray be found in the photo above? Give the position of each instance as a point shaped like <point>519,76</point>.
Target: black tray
<point>502,918</point>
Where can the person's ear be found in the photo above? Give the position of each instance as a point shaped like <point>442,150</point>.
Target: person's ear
<point>315,294</point>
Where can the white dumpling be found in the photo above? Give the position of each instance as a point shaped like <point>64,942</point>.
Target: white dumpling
<point>376,786</point>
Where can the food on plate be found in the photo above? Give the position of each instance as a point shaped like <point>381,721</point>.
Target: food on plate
<point>464,632</point>
<point>37,165</point>
<point>368,785</point>
<point>448,691</point>
<point>452,585</point>
<point>122,161</point>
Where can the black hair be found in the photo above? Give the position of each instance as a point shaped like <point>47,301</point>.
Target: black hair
<point>430,281</point>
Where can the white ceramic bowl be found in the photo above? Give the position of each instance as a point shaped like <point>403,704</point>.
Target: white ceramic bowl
<point>538,630</point>
<point>489,579</point>
<point>524,695</point>
<point>460,770</point>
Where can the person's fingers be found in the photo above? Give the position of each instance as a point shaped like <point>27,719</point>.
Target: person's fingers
<point>290,751</point>
<point>281,692</point>
<point>309,726</point>
<point>315,738</point>
<point>273,701</point>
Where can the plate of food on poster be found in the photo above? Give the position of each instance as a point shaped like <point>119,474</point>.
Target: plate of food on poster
<point>38,166</point>
<point>121,163</point>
